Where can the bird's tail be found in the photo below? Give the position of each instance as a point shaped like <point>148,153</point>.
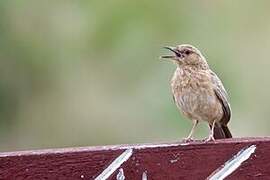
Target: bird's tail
<point>221,131</point>
<point>226,131</point>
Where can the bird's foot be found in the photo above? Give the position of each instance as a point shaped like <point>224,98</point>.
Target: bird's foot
<point>209,138</point>
<point>188,139</point>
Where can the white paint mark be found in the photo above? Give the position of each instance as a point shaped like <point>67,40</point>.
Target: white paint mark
<point>82,176</point>
<point>120,175</point>
<point>144,175</point>
<point>231,165</point>
<point>174,160</point>
<point>115,165</point>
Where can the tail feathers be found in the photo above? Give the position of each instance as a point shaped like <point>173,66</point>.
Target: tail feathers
<point>221,132</point>
<point>226,131</point>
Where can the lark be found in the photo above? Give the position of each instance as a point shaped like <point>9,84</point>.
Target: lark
<point>198,92</point>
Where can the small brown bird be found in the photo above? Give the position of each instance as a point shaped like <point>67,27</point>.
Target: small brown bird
<point>198,92</point>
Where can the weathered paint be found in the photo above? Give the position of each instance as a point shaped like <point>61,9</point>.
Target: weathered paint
<point>235,162</point>
<point>151,161</point>
<point>144,175</point>
<point>120,175</point>
<point>115,165</point>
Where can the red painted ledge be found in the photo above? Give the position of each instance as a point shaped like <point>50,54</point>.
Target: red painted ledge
<point>240,158</point>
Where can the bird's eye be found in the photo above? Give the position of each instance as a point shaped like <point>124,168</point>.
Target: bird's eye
<point>187,52</point>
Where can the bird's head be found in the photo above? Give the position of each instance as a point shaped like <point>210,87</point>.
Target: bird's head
<point>185,54</point>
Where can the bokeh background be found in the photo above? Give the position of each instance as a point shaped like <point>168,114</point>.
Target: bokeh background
<point>84,73</point>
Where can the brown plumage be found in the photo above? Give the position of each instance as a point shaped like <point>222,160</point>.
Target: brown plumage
<point>198,92</point>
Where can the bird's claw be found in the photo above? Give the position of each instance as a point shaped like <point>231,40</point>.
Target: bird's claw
<point>209,138</point>
<point>188,139</point>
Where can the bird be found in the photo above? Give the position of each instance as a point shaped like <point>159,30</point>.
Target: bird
<point>198,92</point>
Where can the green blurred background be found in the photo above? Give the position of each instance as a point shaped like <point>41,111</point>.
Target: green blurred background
<point>84,73</point>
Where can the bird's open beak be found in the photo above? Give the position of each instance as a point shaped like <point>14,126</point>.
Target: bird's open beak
<point>173,49</point>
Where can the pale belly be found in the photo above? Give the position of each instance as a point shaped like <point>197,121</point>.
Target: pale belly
<point>199,104</point>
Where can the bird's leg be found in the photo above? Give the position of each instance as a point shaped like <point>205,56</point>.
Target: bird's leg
<point>189,138</point>
<point>211,133</point>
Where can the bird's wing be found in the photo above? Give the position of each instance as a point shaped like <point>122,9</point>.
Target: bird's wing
<point>222,97</point>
